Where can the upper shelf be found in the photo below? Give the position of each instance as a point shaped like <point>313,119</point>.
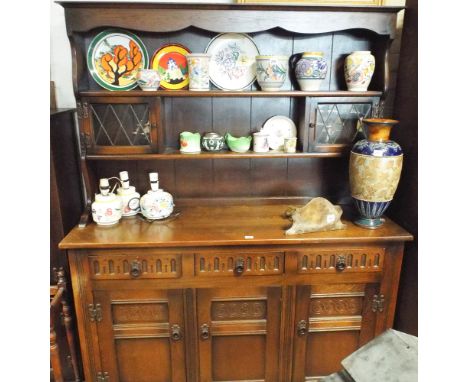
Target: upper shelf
<point>224,93</point>
<point>158,17</point>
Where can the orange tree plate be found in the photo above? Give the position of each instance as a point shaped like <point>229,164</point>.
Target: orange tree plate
<point>171,63</point>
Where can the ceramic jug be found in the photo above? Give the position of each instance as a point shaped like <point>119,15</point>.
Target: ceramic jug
<point>189,142</point>
<point>107,207</point>
<point>130,198</point>
<point>156,203</point>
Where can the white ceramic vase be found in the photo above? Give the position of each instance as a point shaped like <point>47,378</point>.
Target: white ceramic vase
<point>156,203</point>
<point>198,71</point>
<point>359,68</point>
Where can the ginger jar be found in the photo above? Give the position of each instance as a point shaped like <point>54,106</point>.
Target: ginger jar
<point>311,70</point>
<point>374,171</point>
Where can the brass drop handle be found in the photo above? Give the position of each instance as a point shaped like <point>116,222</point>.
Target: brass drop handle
<point>204,332</point>
<point>240,266</point>
<point>176,332</point>
<point>340,265</point>
<point>135,269</point>
<point>302,328</point>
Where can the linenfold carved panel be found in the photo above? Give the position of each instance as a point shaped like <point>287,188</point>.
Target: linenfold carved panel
<point>253,264</point>
<point>123,266</point>
<point>355,260</point>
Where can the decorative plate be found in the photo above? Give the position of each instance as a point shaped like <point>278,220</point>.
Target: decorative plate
<point>278,128</point>
<point>114,58</point>
<point>171,63</point>
<point>232,64</point>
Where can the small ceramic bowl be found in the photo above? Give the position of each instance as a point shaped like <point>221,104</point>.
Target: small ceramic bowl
<point>148,79</point>
<point>238,145</point>
<point>271,72</point>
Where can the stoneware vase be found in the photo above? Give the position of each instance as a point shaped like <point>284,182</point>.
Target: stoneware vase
<point>311,70</point>
<point>271,72</point>
<point>148,79</point>
<point>359,68</point>
<point>198,70</point>
<point>374,171</point>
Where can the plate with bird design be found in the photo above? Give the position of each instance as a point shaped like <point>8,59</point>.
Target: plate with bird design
<point>114,58</point>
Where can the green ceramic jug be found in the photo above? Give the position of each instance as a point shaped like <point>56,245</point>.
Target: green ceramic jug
<point>190,142</point>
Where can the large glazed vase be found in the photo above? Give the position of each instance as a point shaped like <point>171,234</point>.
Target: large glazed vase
<point>311,70</point>
<point>374,171</point>
<point>359,68</point>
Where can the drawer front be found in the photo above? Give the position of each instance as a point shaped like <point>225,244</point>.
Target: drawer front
<point>118,267</point>
<point>368,259</point>
<point>239,264</point>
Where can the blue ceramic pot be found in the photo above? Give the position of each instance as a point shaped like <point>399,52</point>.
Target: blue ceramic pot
<point>374,171</point>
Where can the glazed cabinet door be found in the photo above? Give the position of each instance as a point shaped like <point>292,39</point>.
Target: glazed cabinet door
<point>119,125</point>
<point>140,335</point>
<point>238,333</point>
<point>332,321</point>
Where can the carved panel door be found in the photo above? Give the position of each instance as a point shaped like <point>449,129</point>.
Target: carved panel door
<point>332,321</point>
<point>239,332</point>
<point>141,335</point>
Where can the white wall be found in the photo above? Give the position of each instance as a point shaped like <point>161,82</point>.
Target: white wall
<point>60,53</point>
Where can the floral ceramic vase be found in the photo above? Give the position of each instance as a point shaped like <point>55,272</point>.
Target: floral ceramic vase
<point>374,171</point>
<point>271,72</point>
<point>359,68</point>
<point>198,70</point>
<point>311,70</point>
<point>156,203</point>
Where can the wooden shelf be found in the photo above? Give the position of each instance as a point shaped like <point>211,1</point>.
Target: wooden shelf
<point>172,154</point>
<point>225,93</point>
<point>222,225</point>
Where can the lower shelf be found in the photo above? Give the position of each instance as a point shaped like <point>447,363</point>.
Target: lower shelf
<point>176,154</point>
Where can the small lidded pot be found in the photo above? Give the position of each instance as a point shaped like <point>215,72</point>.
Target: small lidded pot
<point>130,198</point>
<point>156,203</point>
<point>148,79</point>
<point>213,142</point>
<point>107,207</point>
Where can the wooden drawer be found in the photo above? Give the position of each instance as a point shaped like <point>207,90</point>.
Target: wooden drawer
<point>132,266</point>
<point>367,259</point>
<point>239,264</point>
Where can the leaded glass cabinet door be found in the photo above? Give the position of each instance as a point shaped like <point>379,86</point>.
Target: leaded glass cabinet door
<point>120,125</point>
<point>333,121</point>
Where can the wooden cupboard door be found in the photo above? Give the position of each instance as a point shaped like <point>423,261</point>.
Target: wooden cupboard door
<point>141,335</point>
<point>238,333</point>
<point>332,321</point>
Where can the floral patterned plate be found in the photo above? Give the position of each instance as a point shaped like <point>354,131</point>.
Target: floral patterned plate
<point>171,63</point>
<point>114,57</point>
<point>278,128</point>
<point>232,65</point>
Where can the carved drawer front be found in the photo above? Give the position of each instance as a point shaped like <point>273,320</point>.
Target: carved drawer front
<point>116,267</point>
<point>240,264</point>
<point>341,261</point>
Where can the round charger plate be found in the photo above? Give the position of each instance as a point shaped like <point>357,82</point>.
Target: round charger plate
<point>171,63</point>
<point>278,128</point>
<point>232,64</point>
<point>114,57</point>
